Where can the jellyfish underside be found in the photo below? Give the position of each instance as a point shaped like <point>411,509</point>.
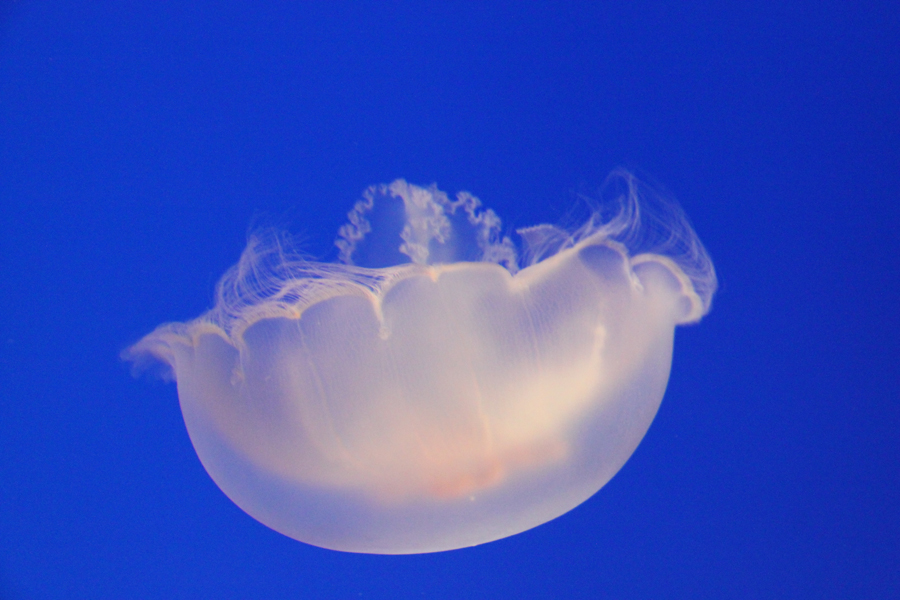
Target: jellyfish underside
<point>430,405</point>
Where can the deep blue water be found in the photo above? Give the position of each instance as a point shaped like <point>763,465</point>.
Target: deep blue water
<point>139,141</point>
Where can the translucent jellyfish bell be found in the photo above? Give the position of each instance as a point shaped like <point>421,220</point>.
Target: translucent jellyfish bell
<point>466,390</point>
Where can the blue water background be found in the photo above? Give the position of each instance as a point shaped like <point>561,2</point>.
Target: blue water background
<point>140,140</point>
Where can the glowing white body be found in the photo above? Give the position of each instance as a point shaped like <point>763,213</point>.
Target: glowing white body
<point>445,406</point>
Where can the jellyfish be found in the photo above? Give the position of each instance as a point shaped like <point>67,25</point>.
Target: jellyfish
<point>443,383</point>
